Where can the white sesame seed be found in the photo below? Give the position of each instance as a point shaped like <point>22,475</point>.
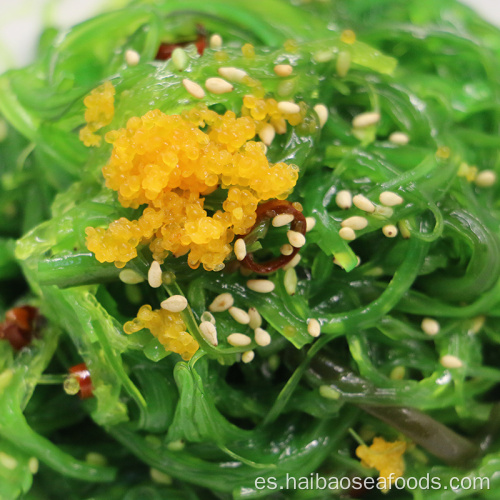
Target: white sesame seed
<point>159,477</point>
<point>343,63</point>
<point>218,85</point>
<point>95,458</point>
<point>363,203</point>
<point>313,327</point>
<point>179,58</point>
<point>327,392</point>
<point>364,120</point>
<point>288,107</point>
<point>239,315</point>
<point>347,233</point>
<point>322,112</point>
<point>382,212</point>
<point>33,465</point>
<point>260,286</point>
<point>355,222</point>
<point>286,249</point>
<point>403,228</point>
<point>293,263</point>
<point>485,178</point>
<point>477,324</point>
<point>209,332</point>
<point>207,316</point>
<point>262,337</point>
<point>450,361</point>
<point>274,362</point>
<point>247,356</point>
<point>280,126</point>
<point>267,134</point>
<point>215,41</point>
<point>154,275</point>
<point>398,373</point>
<point>132,57</point>
<point>175,304</point>
<point>221,303</point>
<point>232,74</point>
<point>285,88</point>
<point>283,70</point>
<point>323,55</point>
<point>290,281</point>
<point>130,277</point>
<point>177,445</point>
<point>310,223</point>
<point>239,339</point>
<point>430,326</point>
<point>193,88</point>
<point>390,230</point>
<point>7,461</point>
<point>343,199</point>
<point>296,239</point>
<point>282,220</point>
<point>390,199</point>
<point>255,318</point>
<point>240,249</point>
<point>399,138</point>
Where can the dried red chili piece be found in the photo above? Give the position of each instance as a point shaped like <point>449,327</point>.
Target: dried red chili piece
<point>81,373</point>
<point>266,211</point>
<point>20,326</point>
<point>165,50</point>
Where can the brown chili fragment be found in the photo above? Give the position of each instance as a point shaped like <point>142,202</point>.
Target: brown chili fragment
<point>165,50</point>
<point>267,211</point>
<point>20,326</point>
<point>81,373</point>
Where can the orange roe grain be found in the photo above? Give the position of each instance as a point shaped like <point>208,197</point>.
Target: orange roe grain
<point>386,457</point>
<point>99,113</point>
<point>168,327</point>
<point>266,111</point>
<point>248,51</point>
<point>348,36</point>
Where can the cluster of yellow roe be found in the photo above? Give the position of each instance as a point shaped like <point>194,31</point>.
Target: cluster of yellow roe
<point>167,163</point>
<point>265,111</point>
<point>168,327</point>
<point>100,106</point>
<point>384,456</point>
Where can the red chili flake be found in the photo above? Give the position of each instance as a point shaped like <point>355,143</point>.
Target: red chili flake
<point>20,326</point>
<point>82,375</point>
<point>165,50</point>
<point>266,211</point>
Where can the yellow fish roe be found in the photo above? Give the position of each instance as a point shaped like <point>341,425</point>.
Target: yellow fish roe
<point>470,173</point>
<point>348,36</point>
<point>100,106</point>
<point>264,111</point>
<point>167,327</point>
<point>167,163</point>
<point>384,456</point>
<point>248,51</point>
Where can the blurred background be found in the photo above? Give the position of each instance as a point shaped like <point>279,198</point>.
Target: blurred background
<point>22,20</point>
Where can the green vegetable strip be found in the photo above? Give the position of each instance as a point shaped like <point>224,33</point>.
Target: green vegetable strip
<point>365,317</point>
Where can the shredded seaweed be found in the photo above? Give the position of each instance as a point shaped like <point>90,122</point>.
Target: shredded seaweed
<point>210,425</point>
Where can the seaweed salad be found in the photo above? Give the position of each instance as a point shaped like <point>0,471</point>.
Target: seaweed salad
<point>252,250</point>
